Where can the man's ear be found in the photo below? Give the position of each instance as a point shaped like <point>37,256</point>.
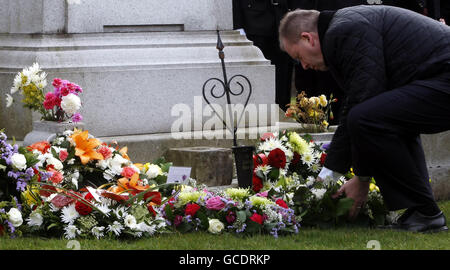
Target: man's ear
<point>308,37</point>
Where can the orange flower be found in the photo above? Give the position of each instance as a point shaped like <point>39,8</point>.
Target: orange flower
<point>133,185</point>
<point>85,147</point>
<point>123,152</point>
<point>40,146</point>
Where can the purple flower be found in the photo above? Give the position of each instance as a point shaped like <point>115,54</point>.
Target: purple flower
<point>77,117</point>
<point>21,185</point>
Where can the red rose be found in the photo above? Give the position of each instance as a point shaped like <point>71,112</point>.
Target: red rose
<point>257,183</point>
<point>257,218</point>
<point>281,203</point>
<point>277,158</point>
<point>295,159</point>
<point>258,160</point>
<point>322,158</point>
<point>191,209</point>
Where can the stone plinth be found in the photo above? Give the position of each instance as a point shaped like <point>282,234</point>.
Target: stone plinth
<point>211,166</point>
<point>437,152</point>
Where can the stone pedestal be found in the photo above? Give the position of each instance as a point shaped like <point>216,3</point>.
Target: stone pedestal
<point>45,130</point>
<point>211,166</point>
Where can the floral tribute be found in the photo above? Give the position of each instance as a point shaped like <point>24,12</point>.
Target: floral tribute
<point>78,186</point>
<point>61,104</point>
<point>313,110</point>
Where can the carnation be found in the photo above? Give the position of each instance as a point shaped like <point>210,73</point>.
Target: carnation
<point>19,161</point>
<point>71,103</point>
<point>153,171</point>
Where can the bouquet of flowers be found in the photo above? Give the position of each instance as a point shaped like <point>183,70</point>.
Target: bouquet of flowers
<point>60,105</point>
<point>278,156</point>
<point>313,110</point>
<point>232,210</point>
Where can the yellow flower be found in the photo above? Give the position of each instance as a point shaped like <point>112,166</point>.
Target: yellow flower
<point>325,123</point>
<point>323,100</point>
<point>31,195</point>
<point>373,187</point>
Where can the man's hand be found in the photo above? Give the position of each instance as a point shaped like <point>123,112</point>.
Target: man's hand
<point>357,191</point>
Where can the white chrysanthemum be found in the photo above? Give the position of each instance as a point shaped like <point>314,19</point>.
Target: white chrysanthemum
<point>98,232</point>
<point>71,231</point>
<point>310,181</point>
<point>270,144</point>
<point>35,219</point>
<point>265,169</point>
<point>143,227</point>
<point>69,214</point>
<point>315,168</point>
<point>71,103</point>
<point>103,208</point>
<point>120,212</point>
<point>116,163</point>
<point>318,192</point>
<point>16,84</point>
<point>308,158</point>
<point>116,228</point>
<point>9,100</point>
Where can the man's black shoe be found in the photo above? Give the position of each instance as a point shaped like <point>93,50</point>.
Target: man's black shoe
<point>417,222</point>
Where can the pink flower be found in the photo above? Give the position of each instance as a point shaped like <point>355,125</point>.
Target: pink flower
<point>215,203</point>
<point>50,101</point>
<point>263,194</point>
<point>231,217</point>
<point>77,117</point>
<point>57,82</point>
<point>177,221</point>
<point>65,91</point>
<point>56,178</point>
<point>128,172</point>
<point>63,155</point>
<point>105,151</point>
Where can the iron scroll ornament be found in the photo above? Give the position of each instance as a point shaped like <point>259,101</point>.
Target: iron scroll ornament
<point>227,91</point>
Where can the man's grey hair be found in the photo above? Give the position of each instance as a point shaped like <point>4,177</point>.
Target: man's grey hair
<point>296,22</point>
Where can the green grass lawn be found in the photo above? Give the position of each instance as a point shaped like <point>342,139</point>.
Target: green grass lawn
<point>306,239</point>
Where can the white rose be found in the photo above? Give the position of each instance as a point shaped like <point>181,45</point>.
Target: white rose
<point>15,217</point>
<point>215,226</point>
<point>55,162</point>
<point>19,161</point>
<point>70,103</point>
<point>153,171</point>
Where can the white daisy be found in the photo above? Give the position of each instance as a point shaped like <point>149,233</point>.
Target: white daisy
<point>69,214</point>
<point>16,84</point>
<point>315,168</point>
<point>265,169</point>
<point>98,232</point>
<point>35,219</point>
<point>116,228</point>
<point>71,231</point>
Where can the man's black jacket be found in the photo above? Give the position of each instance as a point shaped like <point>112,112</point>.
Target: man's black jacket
<point>373,49</point>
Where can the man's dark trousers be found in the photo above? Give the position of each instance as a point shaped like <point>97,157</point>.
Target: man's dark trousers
<point>385,135</point>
